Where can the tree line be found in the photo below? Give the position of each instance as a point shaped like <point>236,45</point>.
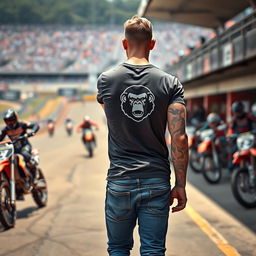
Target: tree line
<point>67,12</point>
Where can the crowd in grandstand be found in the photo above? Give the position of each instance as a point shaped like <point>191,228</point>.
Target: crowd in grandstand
<point>77,49</point>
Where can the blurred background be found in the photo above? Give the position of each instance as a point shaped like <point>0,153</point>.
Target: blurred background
<point>51,53</point>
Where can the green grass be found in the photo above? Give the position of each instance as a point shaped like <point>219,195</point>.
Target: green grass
<point>33,106</point>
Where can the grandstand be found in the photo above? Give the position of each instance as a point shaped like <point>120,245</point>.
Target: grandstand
<point>72,55</point>
<point>222,69</point>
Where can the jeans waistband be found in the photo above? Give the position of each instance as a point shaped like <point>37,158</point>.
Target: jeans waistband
<point>139,182</point>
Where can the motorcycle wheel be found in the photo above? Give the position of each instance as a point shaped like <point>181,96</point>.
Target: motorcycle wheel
<point>40,192</point>
<point>194,161</point>
<point>7,210</point>
<point>90,149</point>
<point>211,173</point>
<point>243,193</point>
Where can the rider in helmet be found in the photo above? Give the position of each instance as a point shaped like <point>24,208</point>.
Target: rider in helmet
<point>68,120</point>
<point>253,117</point>
<point>213,120</point>
<point>241,121</point>
<point>87,124</point>
<point>14,129</point>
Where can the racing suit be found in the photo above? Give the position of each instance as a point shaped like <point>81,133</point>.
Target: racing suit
<point>22,147</point>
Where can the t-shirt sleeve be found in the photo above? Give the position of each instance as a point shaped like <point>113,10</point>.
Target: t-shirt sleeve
<point>176,92</point>
<point>100,87</point>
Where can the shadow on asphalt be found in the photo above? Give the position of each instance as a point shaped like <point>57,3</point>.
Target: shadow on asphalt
<point>85,156</point>
<point>25,213</point>
<point>221,194</point>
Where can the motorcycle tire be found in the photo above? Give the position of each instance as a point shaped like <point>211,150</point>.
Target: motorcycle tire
<point>237,175</point>
<point>7,211</point>
<point>90,149</point>
<point>211,174</point>
<point>40,192</point>
<point>194,161</point>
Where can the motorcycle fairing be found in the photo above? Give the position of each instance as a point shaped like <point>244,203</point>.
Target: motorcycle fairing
<point>191,140</point>
<point>238,157</point>
<point>6,167</point>
<point>88,136</point>
<point>204,146</point>
<point>253,151</point>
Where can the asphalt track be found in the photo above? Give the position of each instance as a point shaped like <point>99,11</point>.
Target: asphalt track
<point>73,222</point>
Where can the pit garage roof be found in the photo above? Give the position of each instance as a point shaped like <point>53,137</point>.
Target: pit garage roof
<point>204,13</point>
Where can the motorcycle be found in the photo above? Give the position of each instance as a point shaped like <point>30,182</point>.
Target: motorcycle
<point>243,181</point>
<point>50,127</point>
<point>89,141</point>
<point>69,128</point>
<point>194,157</point>
<point>213,155</point>
<point>16,180</point>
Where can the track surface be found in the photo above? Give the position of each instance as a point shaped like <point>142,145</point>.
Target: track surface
<point>73,222</point>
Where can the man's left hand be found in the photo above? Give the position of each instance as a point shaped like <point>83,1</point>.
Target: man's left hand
<point>180,194</point>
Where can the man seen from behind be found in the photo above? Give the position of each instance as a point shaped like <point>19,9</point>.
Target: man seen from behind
<point>139,100</point>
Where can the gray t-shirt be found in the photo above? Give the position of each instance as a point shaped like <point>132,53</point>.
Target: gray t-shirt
<point>136,99</point>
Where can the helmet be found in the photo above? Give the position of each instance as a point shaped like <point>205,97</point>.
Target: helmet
<point>253,109</point>
<point>238,107</point>
<point>10,118</point>
<point>213,118</point>
<point>86,118</point>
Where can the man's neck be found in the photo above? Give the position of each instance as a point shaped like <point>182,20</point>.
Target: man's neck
<point>137,61</point>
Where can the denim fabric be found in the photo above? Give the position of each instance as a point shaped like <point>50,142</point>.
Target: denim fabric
<point>142,200</point>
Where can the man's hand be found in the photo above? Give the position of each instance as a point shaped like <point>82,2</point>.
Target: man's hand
<point>180,194</point>
<point>30,134</point>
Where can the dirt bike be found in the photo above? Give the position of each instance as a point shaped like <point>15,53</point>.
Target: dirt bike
<point>213,154</point>
<point>243,182</point>
<point>89,141</point>
<point>69,128</point>
<point>16,180</point>
<point>50,127</point>
<point>194,157</point>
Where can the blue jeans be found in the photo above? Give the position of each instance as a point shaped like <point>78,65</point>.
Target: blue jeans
<point>145,200</point>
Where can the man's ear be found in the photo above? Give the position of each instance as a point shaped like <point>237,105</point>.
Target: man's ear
<point>125,43</point>
<point>152,44</point>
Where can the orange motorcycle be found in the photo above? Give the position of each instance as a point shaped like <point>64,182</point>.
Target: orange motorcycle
<point>243,180</point>
<point>213,156</point>
<point>89,141</point>
<point>16,181</point>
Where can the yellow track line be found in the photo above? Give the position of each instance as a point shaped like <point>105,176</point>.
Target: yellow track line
<point>212,233</point>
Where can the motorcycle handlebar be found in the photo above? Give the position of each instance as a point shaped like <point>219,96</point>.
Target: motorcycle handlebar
<point>26,135</point>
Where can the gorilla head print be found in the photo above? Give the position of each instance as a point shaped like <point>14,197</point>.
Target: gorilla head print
<point>137,102</point>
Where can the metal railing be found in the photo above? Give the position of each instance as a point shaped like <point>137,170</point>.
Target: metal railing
<point>235,45</point>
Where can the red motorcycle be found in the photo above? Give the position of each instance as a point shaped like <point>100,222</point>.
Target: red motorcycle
<point>213,155</point>
<point>50,128</point>
<point>16,180</point>
<point>243,180</point>
<point>194,157</point>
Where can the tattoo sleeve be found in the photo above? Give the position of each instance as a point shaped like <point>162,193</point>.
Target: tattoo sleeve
<point>176,117</point>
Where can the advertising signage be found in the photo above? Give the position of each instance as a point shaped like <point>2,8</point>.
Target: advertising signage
<point>12,95</point>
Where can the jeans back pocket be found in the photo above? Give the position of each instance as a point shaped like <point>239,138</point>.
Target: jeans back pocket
<point>118,204</point>
<point>159,201</point>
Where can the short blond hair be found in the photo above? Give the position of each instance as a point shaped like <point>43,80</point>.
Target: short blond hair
<point>138,29</point>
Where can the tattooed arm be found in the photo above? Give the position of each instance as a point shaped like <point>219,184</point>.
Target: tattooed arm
<point>179,152</point>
